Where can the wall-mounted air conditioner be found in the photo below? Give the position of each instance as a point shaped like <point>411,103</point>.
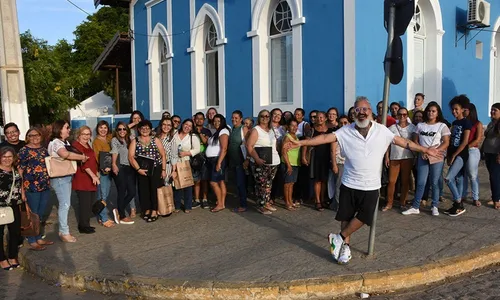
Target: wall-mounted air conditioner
<point>479,13</point>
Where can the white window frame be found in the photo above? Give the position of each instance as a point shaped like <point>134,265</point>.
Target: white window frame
<point>494,65</point>
<point>277,36</point>
<point>261,17</point>
<point>154,68</point>
<point>200,27</point>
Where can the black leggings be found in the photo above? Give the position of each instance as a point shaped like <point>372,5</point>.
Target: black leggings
<point>125,185</point>
<point>148,189</point>
<point>14,235</point>
<point>85,201</point>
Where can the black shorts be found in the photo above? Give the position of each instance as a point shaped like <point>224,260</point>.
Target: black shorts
<point>356,204</point>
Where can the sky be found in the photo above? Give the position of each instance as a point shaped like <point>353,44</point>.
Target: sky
<point>52,20</point>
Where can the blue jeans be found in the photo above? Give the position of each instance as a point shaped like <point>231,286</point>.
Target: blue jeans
<point>455,178</point>
<point>241,184</point>
<point>37,202</point>
<point>424,170</point>
<point>472,168</point>
<point>62,187</point>
<point>187,195</point>
<point>102,194</point>
<point>494,171</point>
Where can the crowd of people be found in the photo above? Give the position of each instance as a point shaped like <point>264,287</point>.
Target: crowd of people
<point>340,162</point>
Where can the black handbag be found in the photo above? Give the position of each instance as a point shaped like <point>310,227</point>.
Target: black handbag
<point>198,160</point>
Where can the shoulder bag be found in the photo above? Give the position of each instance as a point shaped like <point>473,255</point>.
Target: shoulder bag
<point>198,160</point>
<point>30,222</point>
<point>6,213</point>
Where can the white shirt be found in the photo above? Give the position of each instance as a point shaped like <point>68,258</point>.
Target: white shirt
<point>267,139</point>
<point>431,135</point>
<point>363,157</point>
<point>184,145</point>
<point>55,145</point>
<point>398,153</point>
<point>214,150</point>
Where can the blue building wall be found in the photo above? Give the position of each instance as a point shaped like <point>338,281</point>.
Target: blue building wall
<point>463,73</point>
<point>323,55</point>
<point>238,53</point>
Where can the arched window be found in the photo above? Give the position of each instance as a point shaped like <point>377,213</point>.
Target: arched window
<point>419,50</point>
<point>212,67</point>
<point>280,34</point>
<point>419,26</point>
<point>164,74</point>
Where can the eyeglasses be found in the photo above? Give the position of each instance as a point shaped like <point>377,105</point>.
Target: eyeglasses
<point>176,121</point>
<point>312,117</point>
<point>12,132</point>
<point>402,115</point>
<point>122,129</point>
<point>361,109</point>
<point>264,117</point>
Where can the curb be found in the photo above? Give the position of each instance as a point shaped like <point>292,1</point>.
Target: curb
<point>329,287</point>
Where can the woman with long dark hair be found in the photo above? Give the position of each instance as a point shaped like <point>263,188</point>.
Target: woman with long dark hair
<point>123,173</point>
<point>216,160</point>
<point>430,133</point>
<point>166,136</point>
<point>472,165</point>
<point>149,150</point>
<point>62,185</point>
<point>186,145</point>
<point>491,150</point>
<point>135,117</point>
<point>211,112</point>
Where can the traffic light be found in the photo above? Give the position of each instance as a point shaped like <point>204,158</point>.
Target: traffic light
<point>403,13</point>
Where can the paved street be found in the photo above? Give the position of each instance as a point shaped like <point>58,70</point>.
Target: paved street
<point>231,247</point>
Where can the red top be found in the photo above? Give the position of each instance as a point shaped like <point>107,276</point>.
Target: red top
<point>81,180</point>
<point>390,120</point>
<point>473,131</point>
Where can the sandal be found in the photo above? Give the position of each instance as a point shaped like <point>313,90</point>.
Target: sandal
<point>239,210</point>
<point>270,207</point>
<point>36,247</point>
<point>44,242</point>
<point>290,208</point>
<point>187,211</point>
<point>319,207</point>
<point>67,238</point>
<point>108,224</point>
<point>386,208</point>
<point>476,203</point>
<point>264,211</point>
<point>217,209</point>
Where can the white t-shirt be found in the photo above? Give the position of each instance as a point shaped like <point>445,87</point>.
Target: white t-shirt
<point>214,150</point>
<point>54,146</point>
<point>267,139</point>
<point>363,157</point>
<point>431,135</point>
<point>398,153</point>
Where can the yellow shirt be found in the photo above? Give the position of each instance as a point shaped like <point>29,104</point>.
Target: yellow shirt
<point>99,145</point>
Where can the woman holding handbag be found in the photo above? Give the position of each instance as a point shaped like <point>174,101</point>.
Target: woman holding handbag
<point>11,198</point>
<point>36,181</point>
<point>86,179</point>
<point>62,184</point>
<point>430,133</point>
<point>147,157</point>
<point>186,145</point>
<point>102,146</point>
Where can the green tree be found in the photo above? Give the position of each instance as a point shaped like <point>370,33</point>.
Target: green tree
<point>46,77</point>
<point>91,37</point>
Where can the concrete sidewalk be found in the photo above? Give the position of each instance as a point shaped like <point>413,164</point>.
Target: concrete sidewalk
<point>203,254</point>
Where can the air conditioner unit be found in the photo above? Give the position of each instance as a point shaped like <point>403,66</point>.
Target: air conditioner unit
<point>479,13</point>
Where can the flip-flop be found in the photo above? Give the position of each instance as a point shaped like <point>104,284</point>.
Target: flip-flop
<point>239,210</point>
<point>215,209</point>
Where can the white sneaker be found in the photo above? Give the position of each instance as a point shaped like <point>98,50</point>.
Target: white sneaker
<point>116,216</point>
<point>411,211</point>
<point>335,241</point>
<point>345,255</point>
<point>435,211</point>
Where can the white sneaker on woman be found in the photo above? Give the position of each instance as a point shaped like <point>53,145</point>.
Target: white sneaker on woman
<point>411,211</point>
<point>435,211</point>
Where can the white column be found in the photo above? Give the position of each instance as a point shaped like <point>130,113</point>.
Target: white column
<point>13,91</point>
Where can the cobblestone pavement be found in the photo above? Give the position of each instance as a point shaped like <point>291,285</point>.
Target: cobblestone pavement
<point>481,285</point>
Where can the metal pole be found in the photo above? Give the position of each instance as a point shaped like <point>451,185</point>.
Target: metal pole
<point>387,86</point>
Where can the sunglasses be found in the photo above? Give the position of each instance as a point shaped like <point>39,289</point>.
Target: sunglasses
<point>122,129</point>
<point>264,117</point>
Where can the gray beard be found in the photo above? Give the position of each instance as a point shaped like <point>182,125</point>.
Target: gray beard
<point>362,124</point>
